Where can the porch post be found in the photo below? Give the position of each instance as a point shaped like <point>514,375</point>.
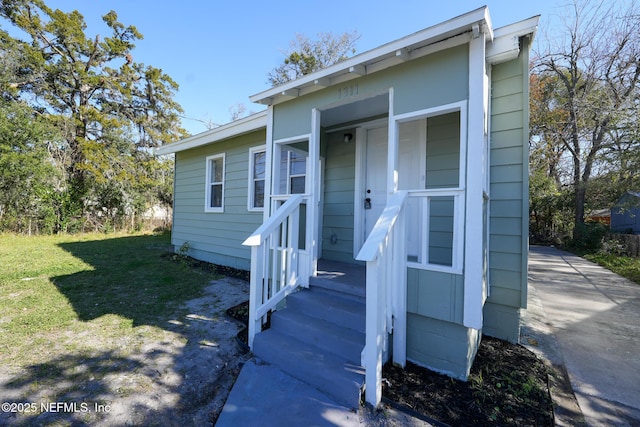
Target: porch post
<point>312,190</point>
<point>268,161</point>
<point>392,149</point>
<point>474,182</point>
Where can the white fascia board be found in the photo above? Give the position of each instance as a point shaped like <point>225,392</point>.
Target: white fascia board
<point>439,32</point>
<point>229,130</point>
<point>506,42</point>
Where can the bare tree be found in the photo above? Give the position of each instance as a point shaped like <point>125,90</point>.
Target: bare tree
<point>306,56</point>
<point>595,62</point>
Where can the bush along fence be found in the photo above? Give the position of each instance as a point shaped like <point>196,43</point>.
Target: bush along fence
<point>626,244</point>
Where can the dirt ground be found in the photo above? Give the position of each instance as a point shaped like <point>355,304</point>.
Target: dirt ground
<point>180,378</point>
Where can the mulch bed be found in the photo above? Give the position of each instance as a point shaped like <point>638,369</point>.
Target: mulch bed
<point>508,385</point>
<point>207,266</point>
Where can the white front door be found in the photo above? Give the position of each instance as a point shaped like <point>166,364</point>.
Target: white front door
<point>374,198</point>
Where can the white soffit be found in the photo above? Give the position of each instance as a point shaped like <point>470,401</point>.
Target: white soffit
<point>506,42</point>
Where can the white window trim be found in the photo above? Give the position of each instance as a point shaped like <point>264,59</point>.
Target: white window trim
<point>290,176</point>
<point>284,144</point>
<point>207,200</point>
<point>459,224</point>
<point>251,195</point>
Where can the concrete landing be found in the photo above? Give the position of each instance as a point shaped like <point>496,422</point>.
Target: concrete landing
<point>264,395</point>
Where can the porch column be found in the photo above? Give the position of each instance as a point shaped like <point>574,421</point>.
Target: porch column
<point>270,166</point>
<point>474,294</point>
<point>392,149</point>
<point>312,190</point>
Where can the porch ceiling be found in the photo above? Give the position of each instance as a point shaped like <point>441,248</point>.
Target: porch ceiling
<point>355,111</point>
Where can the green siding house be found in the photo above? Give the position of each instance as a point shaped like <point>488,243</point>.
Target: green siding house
<point>402,173</point>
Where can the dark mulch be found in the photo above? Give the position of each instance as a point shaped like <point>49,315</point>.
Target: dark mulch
<point>240,312</point>
<point>207,267</point>
<point>508,386</point>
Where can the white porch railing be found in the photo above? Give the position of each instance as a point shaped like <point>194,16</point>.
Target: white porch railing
<point>274,262</point>
<point>385,253</point>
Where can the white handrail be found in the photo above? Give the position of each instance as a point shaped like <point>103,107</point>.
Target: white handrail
<point>385,252</point>
<point>274,262</point>
<point>383,226</point>
<point>274,221</point>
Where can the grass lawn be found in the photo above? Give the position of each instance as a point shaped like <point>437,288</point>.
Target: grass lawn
<point>624,266</point>
<point>57,287</point>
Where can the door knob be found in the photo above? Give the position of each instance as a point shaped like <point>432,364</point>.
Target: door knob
<point>367,203</point>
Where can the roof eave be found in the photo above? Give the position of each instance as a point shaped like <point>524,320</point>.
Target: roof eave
<point>397,51</point>
<point>506,43</point>
<point>239,127</point>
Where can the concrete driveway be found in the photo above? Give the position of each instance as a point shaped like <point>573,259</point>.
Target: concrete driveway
<point>595,317</point>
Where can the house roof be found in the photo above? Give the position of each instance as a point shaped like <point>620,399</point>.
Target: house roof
<point>502,45</point>
<point>628,195</point>
<point>236,128</point>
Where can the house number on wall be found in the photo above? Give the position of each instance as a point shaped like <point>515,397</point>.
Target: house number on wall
<point>347,91</point>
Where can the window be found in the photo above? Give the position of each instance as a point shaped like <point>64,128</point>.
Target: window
<point>431,165</point>
<point>293,170</point>
<point>215,184</point>
<point>257,168</point>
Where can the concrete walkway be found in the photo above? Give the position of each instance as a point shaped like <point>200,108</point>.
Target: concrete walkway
<point>265,396</point>
<point>594,317</point>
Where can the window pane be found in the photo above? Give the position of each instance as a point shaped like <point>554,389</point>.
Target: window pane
<point>216,196</point>
<point>441,232</point>
<point>297,185</point>
<point>216,170</point>
<point>258,165</point>
<point>443,151</point>
<point>258,194</point>
<point>212,171</point>
<point>282,185</point>
<point>298,164</point>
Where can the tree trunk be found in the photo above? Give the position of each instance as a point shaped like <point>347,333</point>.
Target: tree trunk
<point>578,219</point>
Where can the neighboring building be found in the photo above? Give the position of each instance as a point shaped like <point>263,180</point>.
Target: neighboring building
<point>625,214</point>
<point>603,216</point>
<point>411,159</point>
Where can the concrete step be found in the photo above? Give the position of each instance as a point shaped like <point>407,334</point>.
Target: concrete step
<point>329,373</point>
<point>354,290</point>
<point>331,307</point>
<point>344,342</point>
<point>346,278</point>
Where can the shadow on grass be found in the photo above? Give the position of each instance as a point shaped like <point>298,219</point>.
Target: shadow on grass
<point>129,277</point>
<point>103,388</point>
<point>165,378</point>
<point>75,380</point>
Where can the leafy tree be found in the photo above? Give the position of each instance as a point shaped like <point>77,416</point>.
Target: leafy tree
<point>28,179</point>
<point>590,78</point>
<point>110,109</point>
<point>306,56</point>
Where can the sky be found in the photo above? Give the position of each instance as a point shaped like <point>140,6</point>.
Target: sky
<point>219,52</point>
